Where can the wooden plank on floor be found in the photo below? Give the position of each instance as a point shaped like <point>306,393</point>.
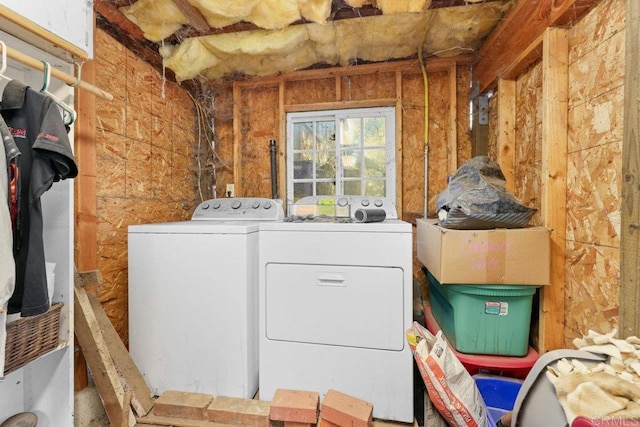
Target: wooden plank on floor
<point>157,420</point>
<point>97,355</point>
<point>141,397</point>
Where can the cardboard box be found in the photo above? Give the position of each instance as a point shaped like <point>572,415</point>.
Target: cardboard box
<point>517,256</point>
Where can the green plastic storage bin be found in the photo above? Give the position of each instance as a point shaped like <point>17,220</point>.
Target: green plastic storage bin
<point>483,319</point>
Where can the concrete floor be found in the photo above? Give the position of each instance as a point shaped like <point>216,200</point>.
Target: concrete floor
<point>89,411</point>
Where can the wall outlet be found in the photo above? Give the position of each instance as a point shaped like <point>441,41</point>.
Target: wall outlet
<point>231,191</point>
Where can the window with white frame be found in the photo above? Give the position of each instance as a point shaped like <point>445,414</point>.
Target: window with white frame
<point>341,152</point>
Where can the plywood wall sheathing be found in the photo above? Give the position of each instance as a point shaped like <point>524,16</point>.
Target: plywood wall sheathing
<point>593,170</point>
<point>594,181</point>
<point>528,156</point>
<point>145,142</point>
<point>505,129</point>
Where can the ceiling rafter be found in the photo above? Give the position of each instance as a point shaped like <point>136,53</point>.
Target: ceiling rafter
<point>523,25</point>
<point>111,20</point>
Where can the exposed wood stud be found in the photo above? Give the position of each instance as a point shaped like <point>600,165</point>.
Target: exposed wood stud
<point>282,142</point>
<point>398,136</point>
<point>630,228</point>
<point>452,151</point>
<point>237,139</point>
<point>86,229</point>
<point>555,87</point>
<point>383,102</point>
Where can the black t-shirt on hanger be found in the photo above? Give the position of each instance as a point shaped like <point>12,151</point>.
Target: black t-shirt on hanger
<point>45,157</point>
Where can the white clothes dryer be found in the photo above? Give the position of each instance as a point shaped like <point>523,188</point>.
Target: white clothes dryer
<point>335,303</point>
<point>193,298</point>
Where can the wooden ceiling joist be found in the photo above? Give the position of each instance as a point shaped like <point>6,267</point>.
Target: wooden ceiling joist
<point>114,23</point>
<point>521,27</point>
<point>195,17</point>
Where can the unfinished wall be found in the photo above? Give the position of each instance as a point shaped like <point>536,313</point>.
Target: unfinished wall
<point>144,161</point>
<point>596,101</point>
<point>595,130</point>
<point>260,120</point>
<point>528,148</point>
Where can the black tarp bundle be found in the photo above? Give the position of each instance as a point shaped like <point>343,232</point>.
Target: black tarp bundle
<point>476,198</point>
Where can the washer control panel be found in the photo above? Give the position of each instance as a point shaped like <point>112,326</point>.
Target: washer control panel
<point>239,208</point>
<point>346,205</point>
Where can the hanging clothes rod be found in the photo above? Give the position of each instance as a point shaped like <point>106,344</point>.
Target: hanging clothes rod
<point>67,78</point>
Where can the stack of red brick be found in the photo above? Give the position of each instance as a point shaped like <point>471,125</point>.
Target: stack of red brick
<point>297,408</point>
<point>289,408</point>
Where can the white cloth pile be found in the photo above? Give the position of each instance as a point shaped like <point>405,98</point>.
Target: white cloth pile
<point>606,389</point>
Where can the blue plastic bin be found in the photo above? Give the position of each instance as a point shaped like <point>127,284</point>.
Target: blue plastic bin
<point>499,394</point>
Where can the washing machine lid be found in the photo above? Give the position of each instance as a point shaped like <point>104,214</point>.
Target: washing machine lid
<point>197,227</point>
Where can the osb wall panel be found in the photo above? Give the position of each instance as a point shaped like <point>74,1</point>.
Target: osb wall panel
<point>259,124</point>
<point>144,153</point>
<point>595,129</point>
<point>223,131</point>
<point>528,148</point>
<point>310,91</point>
<point>414,143</point>
<point>368,86</point>
<point>596,99</point>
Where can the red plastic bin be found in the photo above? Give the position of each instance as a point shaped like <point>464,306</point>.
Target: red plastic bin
<point>507,366</point>
<point>591,422</point>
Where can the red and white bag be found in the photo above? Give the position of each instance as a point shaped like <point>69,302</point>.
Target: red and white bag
<point>451,388</point>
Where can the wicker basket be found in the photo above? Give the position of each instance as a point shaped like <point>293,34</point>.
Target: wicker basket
<point>30,337</point>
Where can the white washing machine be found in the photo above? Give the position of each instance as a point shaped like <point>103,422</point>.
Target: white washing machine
<point>335,303</point>
<point>193,298</point>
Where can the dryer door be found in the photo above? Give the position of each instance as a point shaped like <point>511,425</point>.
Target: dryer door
<point>347,306</point>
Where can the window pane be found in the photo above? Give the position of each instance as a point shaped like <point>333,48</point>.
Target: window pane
<point>375,188</point>
<point>326,167</point>
<point>325,188</point>
<point>302,165</point>
<point>326,135</point>
<point>303,136</point>
<point>351,163</point>
<point>338,152</point>
<point>375,163</point>
<point>351,132</point>
<point>374,131</point>
<point>302,189</point>
<point>353,188</point>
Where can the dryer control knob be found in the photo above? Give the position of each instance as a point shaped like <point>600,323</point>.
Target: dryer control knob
<point>255,205</point>
<point>216,205</point>
<point>364,202</point>
<point>236,204</point>
<point>205,206</point>
<point>378,203</point>
<point>267,205</point>
<point>342,202</point>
